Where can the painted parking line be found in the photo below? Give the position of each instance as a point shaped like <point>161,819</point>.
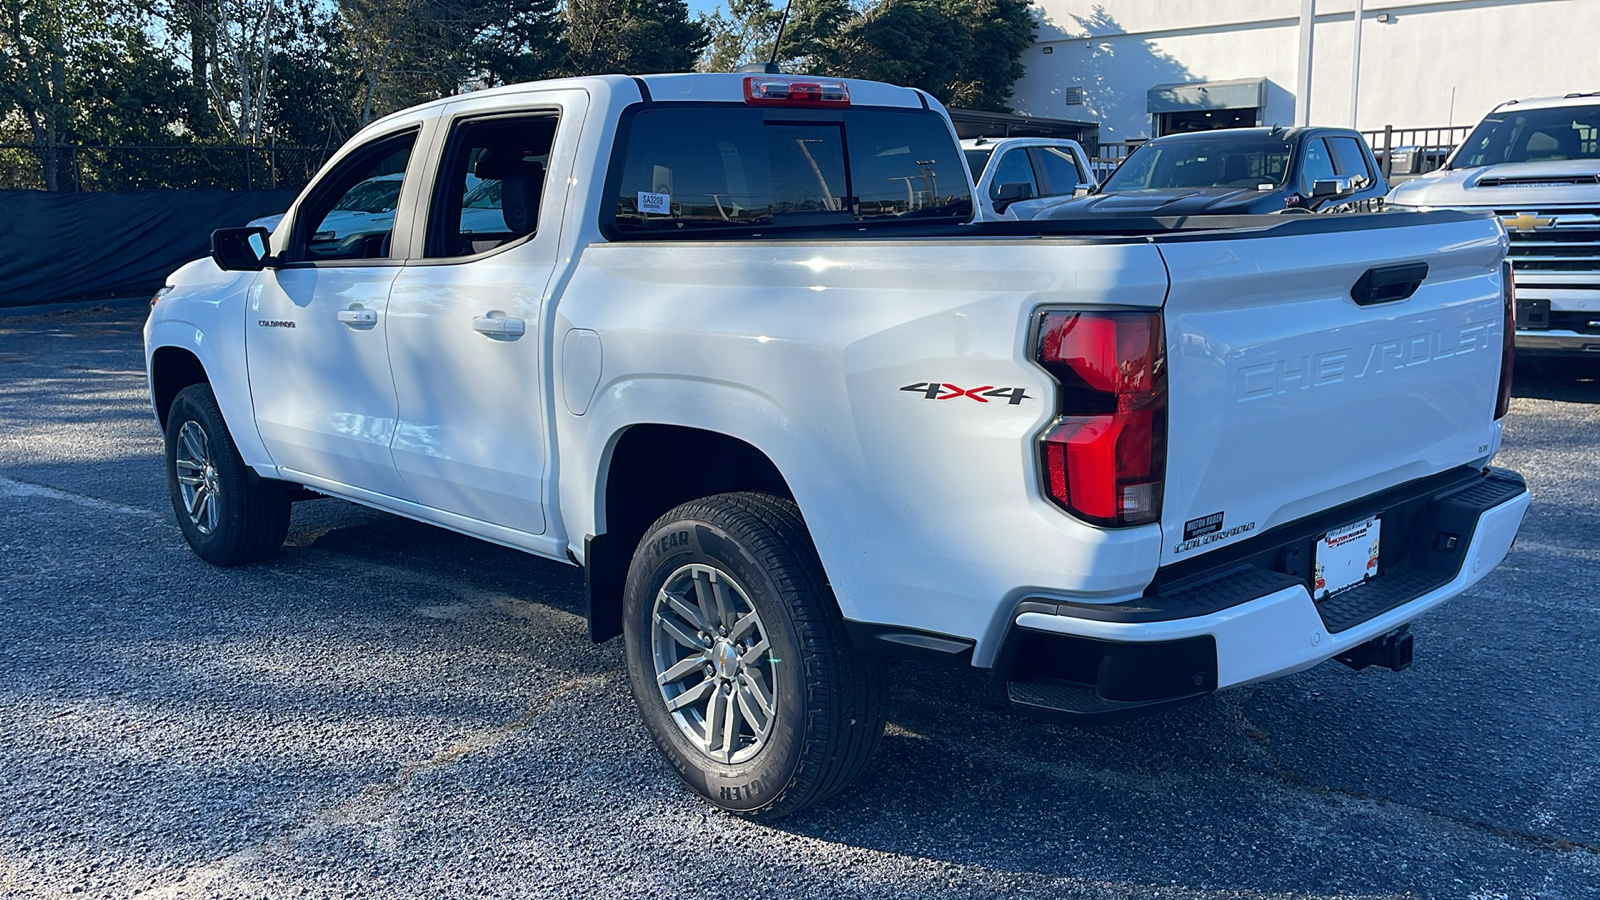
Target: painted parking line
<point>27,489</point>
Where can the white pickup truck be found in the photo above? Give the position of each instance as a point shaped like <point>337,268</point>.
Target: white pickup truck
<point>1535,163</point>
<point>738,351</point>
<point>1020,177</point>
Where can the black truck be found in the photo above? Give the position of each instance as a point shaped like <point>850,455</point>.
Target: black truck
<point>1240,171</point>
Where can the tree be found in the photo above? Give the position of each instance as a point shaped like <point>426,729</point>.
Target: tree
<point>408,51</point>
<point>72,71</point>
<point>1000,30</point>
<point>965,52</point>
<point>313,102</point>
<point>634,37</point>
<point>746,34</point>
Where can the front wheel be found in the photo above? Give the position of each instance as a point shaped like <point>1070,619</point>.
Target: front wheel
<point>738,658</point>
<point>228,516</point>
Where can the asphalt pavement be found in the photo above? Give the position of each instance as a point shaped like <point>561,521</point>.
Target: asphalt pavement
<point>392,710</point>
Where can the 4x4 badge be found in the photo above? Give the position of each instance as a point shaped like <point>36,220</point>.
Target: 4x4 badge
<point>944,390</point>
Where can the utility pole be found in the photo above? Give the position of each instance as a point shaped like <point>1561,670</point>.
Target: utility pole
<point>1302,100</point>
<point>1355,62</point>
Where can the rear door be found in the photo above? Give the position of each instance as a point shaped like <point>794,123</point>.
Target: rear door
<point>466,317</point>
<point>1287,397</point>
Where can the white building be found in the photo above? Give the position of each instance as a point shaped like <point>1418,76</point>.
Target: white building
<point>1150,67</point>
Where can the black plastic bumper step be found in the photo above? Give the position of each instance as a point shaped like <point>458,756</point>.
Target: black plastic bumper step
<point>1079,702</point>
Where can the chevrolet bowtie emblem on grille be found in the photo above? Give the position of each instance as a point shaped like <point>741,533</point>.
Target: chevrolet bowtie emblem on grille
<point>1528,222</point>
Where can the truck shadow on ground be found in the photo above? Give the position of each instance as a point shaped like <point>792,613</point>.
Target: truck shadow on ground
<point>1310,783</point>
<point>1564,380</point>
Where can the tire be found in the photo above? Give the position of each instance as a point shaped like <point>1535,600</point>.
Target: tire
<point>750,552</point>
<point>229,516</point>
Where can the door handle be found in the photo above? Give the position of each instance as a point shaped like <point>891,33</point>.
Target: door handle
<point>358,316</point>
<point>1386,284</point>
<point>497,324</point>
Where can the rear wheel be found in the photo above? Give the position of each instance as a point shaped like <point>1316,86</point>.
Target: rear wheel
<point>739,661</point>
<point>228,516</point>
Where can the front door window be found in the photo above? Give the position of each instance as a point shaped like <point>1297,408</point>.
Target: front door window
<point>350,215</point>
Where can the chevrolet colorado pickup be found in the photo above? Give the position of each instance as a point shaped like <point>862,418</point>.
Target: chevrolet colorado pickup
<point>734,345</point>
<point>1535,163</point>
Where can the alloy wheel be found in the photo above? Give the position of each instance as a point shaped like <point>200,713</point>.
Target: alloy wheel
<point>713,663</point>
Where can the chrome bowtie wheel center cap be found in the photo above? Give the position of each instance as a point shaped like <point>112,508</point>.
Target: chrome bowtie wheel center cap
<point>727,660</point>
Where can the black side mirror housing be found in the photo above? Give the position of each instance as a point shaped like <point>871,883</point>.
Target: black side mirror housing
<point>1011,192</point>
<point>240,249</point>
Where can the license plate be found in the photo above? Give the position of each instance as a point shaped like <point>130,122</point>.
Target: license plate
<point>1346,557</point>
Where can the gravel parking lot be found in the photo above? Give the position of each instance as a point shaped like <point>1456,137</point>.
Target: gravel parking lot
<point>391,710</point>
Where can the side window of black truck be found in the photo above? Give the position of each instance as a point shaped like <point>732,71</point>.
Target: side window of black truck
<point>1351,158</point>
<point>1317,165</point>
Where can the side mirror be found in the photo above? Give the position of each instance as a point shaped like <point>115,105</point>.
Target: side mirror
<point>1010,193</point>
<point>1333,188</point>
<point>240,249</point>
<point>1085,189</point>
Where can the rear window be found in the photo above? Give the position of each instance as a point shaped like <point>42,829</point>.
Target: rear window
<point>977,160</point>
<point>724,168</point>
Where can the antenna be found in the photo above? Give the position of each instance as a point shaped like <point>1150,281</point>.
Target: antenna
<point>770,67</point>
<point>782,22</point>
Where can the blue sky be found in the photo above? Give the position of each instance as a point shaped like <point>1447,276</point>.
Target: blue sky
<point>705,6</point>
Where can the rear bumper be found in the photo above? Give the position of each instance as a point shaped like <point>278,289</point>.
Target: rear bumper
<point>1558,342</point>
<point>1251,623</point>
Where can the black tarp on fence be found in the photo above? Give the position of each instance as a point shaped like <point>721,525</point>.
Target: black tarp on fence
<point>56,246</point>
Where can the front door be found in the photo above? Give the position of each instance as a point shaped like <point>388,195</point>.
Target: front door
<point>317,335</point>
<point>465,315</point>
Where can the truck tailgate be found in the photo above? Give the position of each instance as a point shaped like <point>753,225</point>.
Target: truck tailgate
<point>1287,397</point>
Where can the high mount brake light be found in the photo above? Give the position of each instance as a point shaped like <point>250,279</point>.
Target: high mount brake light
<point>772,90</point>
<point>1502,403</point>
<point>1105,455</point>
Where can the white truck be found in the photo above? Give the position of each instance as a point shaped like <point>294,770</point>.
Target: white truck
<point>1020,177</point>
<point>1536,164</point>
<point>739,352</point>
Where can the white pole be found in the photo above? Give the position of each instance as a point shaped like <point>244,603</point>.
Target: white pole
<point>1355,63</point>
<point>1302,100</point>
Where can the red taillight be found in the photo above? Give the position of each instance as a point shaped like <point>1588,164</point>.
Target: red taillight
<point>1105,455</point>
<point>778,90</point>
<point>1503,403</point>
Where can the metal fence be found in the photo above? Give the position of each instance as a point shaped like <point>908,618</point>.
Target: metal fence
<point>1413,151</point>
<point>120,167</point>
<point>1403,151</point>
<point>1109,155</point>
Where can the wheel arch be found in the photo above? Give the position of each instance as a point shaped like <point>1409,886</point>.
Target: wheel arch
<point>179,353</point>
<point>649,469</point>
<point>171,370</point>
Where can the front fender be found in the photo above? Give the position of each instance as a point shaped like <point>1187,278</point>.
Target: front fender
<point>207,321</point>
